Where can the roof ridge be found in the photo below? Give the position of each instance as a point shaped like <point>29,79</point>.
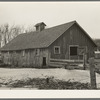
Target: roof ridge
<point>74,21</point>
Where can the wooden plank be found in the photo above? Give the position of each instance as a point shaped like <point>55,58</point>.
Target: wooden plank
<point>92,73</point>
<point>54,65</point>
<point>58,63</point>
<point>84,63</point>
<point>65,60</point>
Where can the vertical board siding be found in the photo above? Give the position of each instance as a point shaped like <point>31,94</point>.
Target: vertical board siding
<point>73,36</point>
<point>30,59</point>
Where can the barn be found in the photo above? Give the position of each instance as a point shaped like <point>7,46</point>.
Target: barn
<point>64,42</point>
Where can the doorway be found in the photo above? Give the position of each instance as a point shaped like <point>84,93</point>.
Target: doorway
<point>44,61</point>
<point>73,52</point>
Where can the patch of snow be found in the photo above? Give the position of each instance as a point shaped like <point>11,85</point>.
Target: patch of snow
<point>11,75</point>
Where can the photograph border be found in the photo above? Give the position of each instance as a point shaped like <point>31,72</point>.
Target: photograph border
<point>20,97</point>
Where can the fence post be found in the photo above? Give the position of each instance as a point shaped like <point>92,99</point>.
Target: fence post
<point>84,61</point>
<point>92,73</point>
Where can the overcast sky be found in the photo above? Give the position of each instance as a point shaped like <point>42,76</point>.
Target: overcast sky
<point>87,14</point>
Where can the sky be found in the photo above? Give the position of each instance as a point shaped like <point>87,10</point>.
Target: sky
<point>87,14</point>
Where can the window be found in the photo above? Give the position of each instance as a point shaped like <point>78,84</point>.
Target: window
<point>73,50</point>
<point>8,53</point>
<point>23,52</point>
<point>37,28</point>
<point>37,52</point>
<point>56,49</point>
<point>14,52</point>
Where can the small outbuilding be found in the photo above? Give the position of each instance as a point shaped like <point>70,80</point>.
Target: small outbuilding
<point>61,43</point>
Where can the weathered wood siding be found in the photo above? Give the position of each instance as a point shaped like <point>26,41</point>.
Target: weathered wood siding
<point>30,59</point>
<point>73,36</point>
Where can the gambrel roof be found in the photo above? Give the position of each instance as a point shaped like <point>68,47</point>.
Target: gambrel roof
<point>38,39</point>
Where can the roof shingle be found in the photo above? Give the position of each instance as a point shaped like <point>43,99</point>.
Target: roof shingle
<point>35,39</point>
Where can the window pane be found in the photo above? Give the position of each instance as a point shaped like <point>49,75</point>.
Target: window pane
<point>37,52</point>
<point>57,50</point>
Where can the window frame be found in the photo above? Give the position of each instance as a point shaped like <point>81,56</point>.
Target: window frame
<point>8,54</point>
<point>37,52</point>
<point>23,53</point>
<point>58,49</point>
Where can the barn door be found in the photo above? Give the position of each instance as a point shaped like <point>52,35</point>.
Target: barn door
<point>82,51</point>
<point>44,61</point>
<point>73,52</point>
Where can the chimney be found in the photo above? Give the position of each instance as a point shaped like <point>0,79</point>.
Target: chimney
<point>40,26</point>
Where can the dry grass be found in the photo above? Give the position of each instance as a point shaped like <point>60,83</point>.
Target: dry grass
<point>51,84</point>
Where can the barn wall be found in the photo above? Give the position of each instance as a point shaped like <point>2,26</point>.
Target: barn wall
<point>29,59</point>
<point>73,36</point>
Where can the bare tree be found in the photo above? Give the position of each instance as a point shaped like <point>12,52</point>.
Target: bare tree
<point>4,32</point>
<point>7,32</point>
<point>29,29</point>
<point>14,31</point>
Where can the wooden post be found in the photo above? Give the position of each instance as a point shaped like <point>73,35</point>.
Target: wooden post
<point>47,80</point>
<point>84,61</point>
<point>92,73</point>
